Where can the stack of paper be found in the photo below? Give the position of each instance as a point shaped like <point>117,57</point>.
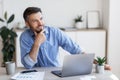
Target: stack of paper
<point>87,77</point>
<point>28,76</point>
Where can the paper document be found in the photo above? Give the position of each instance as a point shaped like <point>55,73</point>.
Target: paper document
<point>87,77</point>
<point>28,76</point>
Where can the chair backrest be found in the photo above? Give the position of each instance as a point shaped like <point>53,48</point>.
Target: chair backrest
<point>18,53</point>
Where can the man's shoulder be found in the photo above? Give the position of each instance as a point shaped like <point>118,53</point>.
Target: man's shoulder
<point>26,33</point>
<point>50,27</point>
<point>53,29</point>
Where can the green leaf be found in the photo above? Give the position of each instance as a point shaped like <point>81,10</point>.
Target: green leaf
<point>12,33</point>
<point>4,33</point>
<point>11,18</point>
<point>11,48</point>
<point>2,20</point>
<point>100,60</point>
<point>78,19</point>
<point>5,15</point>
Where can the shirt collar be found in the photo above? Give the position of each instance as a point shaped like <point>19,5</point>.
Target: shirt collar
<point>46,29</point>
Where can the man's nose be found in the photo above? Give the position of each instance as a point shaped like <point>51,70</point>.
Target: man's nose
<point>40,22</point>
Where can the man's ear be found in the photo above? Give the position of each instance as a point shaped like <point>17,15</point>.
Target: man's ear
<point>26,23</point>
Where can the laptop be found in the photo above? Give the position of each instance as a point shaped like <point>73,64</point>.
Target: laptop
<point>73,65</point>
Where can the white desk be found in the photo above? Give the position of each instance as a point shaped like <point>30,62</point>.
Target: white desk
<point>108,75</point>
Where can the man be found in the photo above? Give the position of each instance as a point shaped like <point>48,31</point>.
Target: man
<point>40,44</point>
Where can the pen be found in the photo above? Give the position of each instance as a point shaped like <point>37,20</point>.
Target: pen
<point>28,71</point>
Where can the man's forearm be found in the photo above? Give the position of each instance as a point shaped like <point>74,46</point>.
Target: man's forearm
<point>39,39</point>
<point>34,51</point>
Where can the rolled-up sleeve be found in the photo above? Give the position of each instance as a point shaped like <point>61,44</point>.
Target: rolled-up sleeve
<point>29,62</point>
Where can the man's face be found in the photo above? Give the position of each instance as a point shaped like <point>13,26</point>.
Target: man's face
<point>35,22</point>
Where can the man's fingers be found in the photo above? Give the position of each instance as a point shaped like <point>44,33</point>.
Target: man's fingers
<point>42,31</point>
<point>35,33</point>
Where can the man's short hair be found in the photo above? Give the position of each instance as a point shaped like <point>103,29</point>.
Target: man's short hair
<point>30,10</point>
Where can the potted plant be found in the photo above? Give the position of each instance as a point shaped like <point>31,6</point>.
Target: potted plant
<point>79,22</point>
<point>8,39</point>
<point>100,64</point>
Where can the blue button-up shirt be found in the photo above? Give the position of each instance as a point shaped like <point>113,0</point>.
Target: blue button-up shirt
<point>49,50</point>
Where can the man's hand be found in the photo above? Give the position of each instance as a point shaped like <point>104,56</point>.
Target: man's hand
<point>39,37</point>
<point>107,67</point>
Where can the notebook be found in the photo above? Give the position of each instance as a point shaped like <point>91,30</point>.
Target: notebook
<point>28,76</point>
<point>79,64</point>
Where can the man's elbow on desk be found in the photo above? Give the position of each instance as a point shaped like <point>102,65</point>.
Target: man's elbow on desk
<point>28,62</point>
<point>107,67</point>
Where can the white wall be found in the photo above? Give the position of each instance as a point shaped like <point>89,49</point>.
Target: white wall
<point>105,12</point>
<point>1,8</point>
<point>114,36</point>
<point>59,13</point>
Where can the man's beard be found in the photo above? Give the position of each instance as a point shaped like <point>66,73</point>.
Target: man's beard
<point>38,31</point>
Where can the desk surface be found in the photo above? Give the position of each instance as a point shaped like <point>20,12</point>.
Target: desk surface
<point>108,75</point>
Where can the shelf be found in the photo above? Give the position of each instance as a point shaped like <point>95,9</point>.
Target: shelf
<point>76,29</point>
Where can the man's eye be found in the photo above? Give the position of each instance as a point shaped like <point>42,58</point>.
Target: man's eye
<point>34,21</point>
<point>41,18</point>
